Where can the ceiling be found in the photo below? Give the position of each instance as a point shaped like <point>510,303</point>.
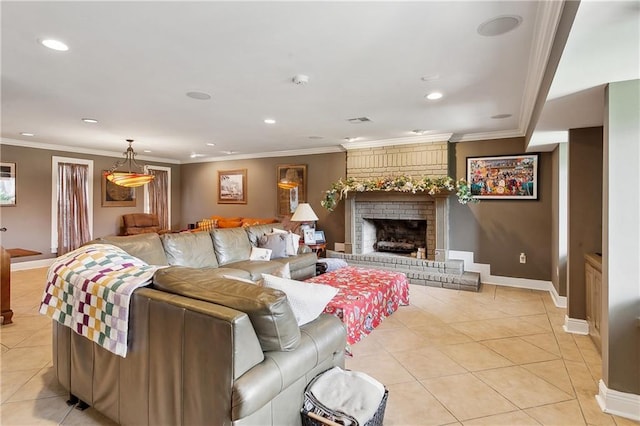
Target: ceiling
<point>130,65</point>
<point>603,47</point>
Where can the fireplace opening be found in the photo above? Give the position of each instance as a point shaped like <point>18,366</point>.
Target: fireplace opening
<point>399,235</point>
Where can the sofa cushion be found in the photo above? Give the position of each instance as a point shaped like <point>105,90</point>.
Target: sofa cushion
<point>256,267</point>
<point>268,309</point>
<point>300,261</point>
<point>146,247</point>
<point>251,221</point>
<point>231,245</point>
<point>321,340</point>
<point>193,249</point>
<point>257,231</point>
<point>277,243</point>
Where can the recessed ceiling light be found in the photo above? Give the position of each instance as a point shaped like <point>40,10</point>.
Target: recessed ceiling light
<point>499,25</point>
<point>201,96</point>
<point>54,44</point>
<point>27,134</point>
<point>434,96</point>
<point>90,120</point>
<point>499,116</point>
<point>194,155</point>
<point>350,139</point>
<point>211,144</point>
<point>270,121</point>
<point>419,132</point>
<point>316,137</point>
<point>147,151</point>
<point>229,152</point>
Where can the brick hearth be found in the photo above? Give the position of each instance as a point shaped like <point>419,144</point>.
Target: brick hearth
<point>448,274</point>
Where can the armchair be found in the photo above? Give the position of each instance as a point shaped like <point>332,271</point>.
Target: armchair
<point>140,223</point>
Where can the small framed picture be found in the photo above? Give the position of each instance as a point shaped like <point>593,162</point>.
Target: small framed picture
<point>7,184</point>
<point>232,186</point>
<point>319,237</point>
<point>309,236</point>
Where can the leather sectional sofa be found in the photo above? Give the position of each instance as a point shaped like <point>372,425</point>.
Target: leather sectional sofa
<point>203,349</point>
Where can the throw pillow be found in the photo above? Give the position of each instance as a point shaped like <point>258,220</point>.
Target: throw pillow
<point>258,253</point>
<point>307,300</point>
<point>293,240</point>
<point>283,271</point>
<point>277,243</point>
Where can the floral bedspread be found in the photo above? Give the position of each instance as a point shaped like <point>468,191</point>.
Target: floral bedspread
<point>365,297</point>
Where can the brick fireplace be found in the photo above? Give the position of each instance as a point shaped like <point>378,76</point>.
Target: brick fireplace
<point>427,157</point>
<point>361,208</point>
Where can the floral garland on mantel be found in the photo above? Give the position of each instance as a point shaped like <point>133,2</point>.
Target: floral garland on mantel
<point>432,186</point>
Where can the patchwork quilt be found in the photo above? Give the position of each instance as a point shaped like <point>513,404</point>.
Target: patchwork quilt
<point>89,290</point>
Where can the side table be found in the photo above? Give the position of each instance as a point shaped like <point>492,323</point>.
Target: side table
<point>5,279</point>
<point>318,248</point>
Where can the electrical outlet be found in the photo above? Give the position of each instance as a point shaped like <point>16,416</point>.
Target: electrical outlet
<point>523,258</point>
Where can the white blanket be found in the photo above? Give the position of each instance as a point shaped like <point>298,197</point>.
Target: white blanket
<point>354,393</point>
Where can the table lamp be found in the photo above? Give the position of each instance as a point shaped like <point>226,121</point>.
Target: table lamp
<point>307,218</point>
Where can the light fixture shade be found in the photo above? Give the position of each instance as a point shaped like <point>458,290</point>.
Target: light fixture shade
<point>304,213</point>
<point>287,184</point>
<point>128,179</point>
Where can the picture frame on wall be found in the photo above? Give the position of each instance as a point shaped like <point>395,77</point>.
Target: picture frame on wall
<point>291,187</point>
<point>232,186</point>
<point>7,184</point>
<point>115,195</point>
<point>506,177</point>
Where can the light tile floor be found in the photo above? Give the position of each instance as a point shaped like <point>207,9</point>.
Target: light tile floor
<point>497,357</point>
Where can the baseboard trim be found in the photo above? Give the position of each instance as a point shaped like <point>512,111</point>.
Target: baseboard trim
<point>487,278</point>
<point>575,326</point>
<point>32,264</point>
<point>618,403</point>
<point>559,301</point>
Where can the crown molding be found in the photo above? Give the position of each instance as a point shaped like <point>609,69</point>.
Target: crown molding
<point>441,137</point>
<point>545,28</point>
<point>80,150</point>
<point>501,134</point>
<point>289,153</point>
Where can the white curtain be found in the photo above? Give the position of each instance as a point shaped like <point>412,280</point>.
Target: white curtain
<point>73,206</point>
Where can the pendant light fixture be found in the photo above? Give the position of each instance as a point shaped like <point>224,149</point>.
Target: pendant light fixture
<point>130,178</point>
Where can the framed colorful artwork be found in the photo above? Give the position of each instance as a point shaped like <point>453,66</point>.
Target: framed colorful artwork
<point>507,177</point>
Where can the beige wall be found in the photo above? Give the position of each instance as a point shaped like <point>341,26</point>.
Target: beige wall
<point>584,211</point>
<point>559,220</point>
<point>199,189</point>
<point>497,231</point>
<point>29,222</point>
<point>423,159</point>
<point>621,239</point>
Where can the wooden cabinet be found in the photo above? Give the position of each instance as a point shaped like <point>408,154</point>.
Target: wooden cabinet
<point>5,283</point>
<point>593,281</point>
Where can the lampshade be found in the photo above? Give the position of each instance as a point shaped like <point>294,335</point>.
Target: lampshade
<point>287,184</point>
<point>304,213</point>
<point>130,178</point>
